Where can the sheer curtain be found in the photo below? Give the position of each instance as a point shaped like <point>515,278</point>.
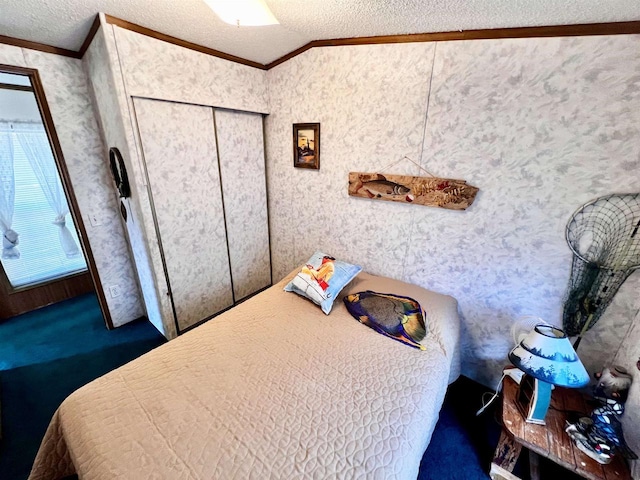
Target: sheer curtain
<point>33,140</point>
<point>7,194</point>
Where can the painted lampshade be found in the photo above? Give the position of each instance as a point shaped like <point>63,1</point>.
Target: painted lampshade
<point>545,353</point>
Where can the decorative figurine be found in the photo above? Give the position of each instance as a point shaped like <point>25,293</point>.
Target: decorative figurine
<point>600,435</point>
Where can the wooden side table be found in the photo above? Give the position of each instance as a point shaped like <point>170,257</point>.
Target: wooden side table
<point>549,441</point>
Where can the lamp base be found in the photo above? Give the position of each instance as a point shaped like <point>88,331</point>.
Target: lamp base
<point>534,398</point>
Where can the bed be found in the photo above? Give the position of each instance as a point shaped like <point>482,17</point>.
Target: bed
<point>272,388</point>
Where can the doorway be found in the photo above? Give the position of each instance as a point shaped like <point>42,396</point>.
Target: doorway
<point>45,257</point>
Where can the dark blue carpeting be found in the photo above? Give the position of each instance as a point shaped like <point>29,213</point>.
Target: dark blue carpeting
<point>47,354</point>
<point>462,444</point>
<point>67,329</point>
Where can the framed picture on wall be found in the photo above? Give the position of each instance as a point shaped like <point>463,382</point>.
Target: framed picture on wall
<point>306,145</point>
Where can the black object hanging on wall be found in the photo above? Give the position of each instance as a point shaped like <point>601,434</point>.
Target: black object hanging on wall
<point>119,172</point>
<point>604,236</point>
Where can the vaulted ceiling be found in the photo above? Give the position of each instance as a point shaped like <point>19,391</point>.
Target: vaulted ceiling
<point>65,23</point>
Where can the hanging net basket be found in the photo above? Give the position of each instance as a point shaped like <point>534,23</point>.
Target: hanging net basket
<point>604,236</point>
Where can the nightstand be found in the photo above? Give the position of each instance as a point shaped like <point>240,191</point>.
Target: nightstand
<point>549,441</point>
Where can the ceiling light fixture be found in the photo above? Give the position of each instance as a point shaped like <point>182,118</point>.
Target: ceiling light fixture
<point>246,13</point>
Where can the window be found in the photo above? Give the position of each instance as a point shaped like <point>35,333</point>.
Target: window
<point>39,239</point>
<point>41,255</point>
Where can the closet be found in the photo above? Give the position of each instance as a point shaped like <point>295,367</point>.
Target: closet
<point>189,131</point>
<point>205,177</point>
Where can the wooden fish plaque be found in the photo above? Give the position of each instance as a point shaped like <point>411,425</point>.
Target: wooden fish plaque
<point>429,191</point>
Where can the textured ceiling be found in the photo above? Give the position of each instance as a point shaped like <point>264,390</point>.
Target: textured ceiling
<point>65,23</point>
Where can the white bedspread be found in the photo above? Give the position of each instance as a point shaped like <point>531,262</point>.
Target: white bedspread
<point>270,389</point>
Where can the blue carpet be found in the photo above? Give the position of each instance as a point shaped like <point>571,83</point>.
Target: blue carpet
<point>47,354</point>
<point>462,444</point>
<point>69,328</point>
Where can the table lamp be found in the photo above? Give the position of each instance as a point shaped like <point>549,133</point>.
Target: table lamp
<point>547,358</point>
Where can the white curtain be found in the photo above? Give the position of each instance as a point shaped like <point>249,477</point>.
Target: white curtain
<point>7,195</point>
<point>33,140</point>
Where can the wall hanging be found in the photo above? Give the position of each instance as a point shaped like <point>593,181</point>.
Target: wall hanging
<point>603,236</point>
<point>306,145</point>
<point>429,191</point>
<point>119,172</point>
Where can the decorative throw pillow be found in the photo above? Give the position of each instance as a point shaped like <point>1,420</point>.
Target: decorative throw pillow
<point>397,317</point>
<point>322,278</point>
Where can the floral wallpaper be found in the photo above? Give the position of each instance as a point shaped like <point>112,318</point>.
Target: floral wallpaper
<point>539,125</point>
<point>77,129</point>
<point>67,92</point>
<point>157,69</point>
<point>102,68</point>
<point>10,55</point>
<point>371,114</point>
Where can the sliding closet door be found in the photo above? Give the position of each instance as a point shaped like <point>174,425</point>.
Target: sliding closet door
<point>179,151</point>
<point>241,150</point>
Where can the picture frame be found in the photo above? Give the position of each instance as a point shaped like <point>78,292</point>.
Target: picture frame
<point>306,145</point>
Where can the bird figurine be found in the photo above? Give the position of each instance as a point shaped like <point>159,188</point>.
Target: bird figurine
<point>606,423</point>
<point>600,435</point>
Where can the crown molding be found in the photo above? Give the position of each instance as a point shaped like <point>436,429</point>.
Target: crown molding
<point>182,43</point>
<point>95,26</point>
<point>578,30</point>
<point>586,29</point>
<point>18,42</point>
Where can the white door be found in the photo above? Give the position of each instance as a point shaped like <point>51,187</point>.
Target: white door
<point>179,151</point>
<point>241,150</point>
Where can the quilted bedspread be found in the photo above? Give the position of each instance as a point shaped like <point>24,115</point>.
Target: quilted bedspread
<point>273,388</point>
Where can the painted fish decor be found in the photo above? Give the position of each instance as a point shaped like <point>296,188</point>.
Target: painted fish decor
<point>430,191</point>
<point>394,316</point>
<point>378,188</point>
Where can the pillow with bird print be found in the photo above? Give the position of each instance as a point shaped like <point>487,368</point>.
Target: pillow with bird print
<point>322,278</point>
<point>394,316</point>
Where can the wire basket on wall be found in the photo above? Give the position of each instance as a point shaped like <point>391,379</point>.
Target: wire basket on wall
<point>604,236</point>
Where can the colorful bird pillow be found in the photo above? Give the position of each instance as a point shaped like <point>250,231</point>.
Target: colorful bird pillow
<point>322,278</point>
<point>397,317</point>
